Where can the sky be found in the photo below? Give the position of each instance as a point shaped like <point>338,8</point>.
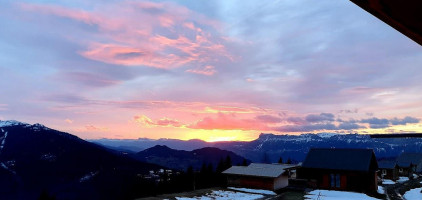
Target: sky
<point>211,70</point>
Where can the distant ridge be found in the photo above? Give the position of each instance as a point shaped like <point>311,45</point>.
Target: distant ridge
<point>181,159</point>
<point>270,147</point>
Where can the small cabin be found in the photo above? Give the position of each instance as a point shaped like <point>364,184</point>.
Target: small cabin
<point>388,169</point>
<point>409,163</point>
<point>340,169</point>
<point>259,176</point>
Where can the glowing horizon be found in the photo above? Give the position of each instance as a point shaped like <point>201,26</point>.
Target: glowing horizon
<point>215,71</point>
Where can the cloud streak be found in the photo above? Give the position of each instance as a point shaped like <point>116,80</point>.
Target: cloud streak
<point>168,36</point>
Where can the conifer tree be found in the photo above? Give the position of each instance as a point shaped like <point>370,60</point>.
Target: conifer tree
<point>280,161</point>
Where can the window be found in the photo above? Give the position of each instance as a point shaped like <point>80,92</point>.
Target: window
<point>338,180</point>
<point>335,180</point>
<point>384,172</point>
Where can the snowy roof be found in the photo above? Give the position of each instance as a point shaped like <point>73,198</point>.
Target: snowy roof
<point>406,159</point>
<point>341,159</point>
<point>387,164</point>
<point>258,169</point>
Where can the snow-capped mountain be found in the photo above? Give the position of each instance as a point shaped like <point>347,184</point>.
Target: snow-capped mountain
<point>7,123</point>
<point>34,158</point>
<point>297,146</point>
<point>272,147</point>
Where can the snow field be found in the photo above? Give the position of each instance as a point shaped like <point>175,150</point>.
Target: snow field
<point>337,195</point>
<point>224,195</point>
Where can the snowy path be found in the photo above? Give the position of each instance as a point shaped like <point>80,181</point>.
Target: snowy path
<point>393,191</point>
<point>336,195</point>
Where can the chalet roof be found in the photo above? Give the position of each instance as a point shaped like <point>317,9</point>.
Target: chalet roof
<point>341,159</point>
<point>258,169</point>
<point>387,164</point>
<point>406,159</point>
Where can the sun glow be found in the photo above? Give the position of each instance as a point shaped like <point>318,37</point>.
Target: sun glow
<point>220,135</point>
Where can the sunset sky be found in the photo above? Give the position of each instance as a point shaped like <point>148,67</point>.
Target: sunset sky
<point>213,70</point>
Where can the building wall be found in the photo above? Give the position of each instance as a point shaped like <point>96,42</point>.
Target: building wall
<point>406,171</point>
<point>281,182</point>
<point>258,182</point>
<point>419,168</point>
<point>392,174</point>
<point>344,180</point>
<point>250,182</point>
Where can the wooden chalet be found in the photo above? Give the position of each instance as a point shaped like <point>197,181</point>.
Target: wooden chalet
<point>388,169</point>
<point>409,163</point>
<point>259,176</point>
<point>340,169</point>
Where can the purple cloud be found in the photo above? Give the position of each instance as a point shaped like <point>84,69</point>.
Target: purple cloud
<point>320,118</point>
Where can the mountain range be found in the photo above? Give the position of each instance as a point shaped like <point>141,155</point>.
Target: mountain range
<point>36,161</point>
<point>269,147</point>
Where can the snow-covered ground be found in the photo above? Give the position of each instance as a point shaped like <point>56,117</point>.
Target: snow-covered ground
<point>3,140</point>
<point>381,190</point>
<point>224,195</point>
<point>336,195</point>
<point>268,192</point>
<point>414,194</point>
<point>402,179</point>
<point>88,176</point>
<point>388,182</point>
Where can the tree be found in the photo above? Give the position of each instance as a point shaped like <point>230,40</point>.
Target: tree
<point>245,162</point>
<point>203,168</point>
<point>289,161</point>
<point>46,196</point>
<point>220,166</point>
<point>228,163</point>
<point>191,176</point>
<point>265,158</point>
<point>280,161</point>
<point>210,169</point>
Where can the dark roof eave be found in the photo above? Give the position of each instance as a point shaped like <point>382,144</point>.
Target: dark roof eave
<point>252,175</point>
<point>349,170</point>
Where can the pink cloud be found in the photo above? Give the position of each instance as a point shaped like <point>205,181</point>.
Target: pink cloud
<point>228,122</point>
<point>95,128</point>
<point>87,79</point>
<point>166,38</point>
<point>3,106</point>
<point>207,71</point>
<point>166,122</point>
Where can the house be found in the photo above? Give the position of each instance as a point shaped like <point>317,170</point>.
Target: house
<point>388,169</point>
<point>340,169</point>
<point>259,176</point>
<point>409,163</point>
